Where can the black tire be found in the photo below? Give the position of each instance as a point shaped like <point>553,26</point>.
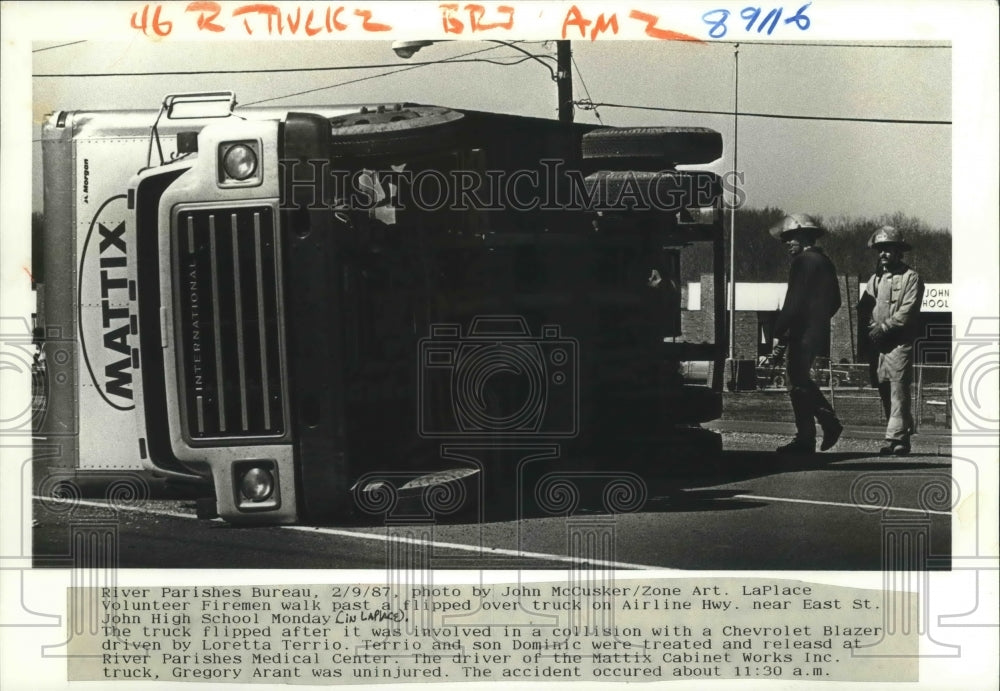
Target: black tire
<point>670,191</point>
<point>778,381</point>
<point>651,148</point>
<point>394,130</point>
<point>205,508</point>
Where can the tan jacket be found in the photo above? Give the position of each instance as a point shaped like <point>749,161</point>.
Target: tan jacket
<point>898,297</point>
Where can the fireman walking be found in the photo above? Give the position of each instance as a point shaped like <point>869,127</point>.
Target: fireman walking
<point>803,328</point>
<point>898,292</point>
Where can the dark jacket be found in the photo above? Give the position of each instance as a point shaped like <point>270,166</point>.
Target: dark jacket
<point>813,297</point>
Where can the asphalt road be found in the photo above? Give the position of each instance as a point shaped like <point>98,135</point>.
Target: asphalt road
<point>745,508</point>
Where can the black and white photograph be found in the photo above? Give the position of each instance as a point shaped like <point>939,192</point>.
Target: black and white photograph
<point>656,288</point>
<point>485,285</point>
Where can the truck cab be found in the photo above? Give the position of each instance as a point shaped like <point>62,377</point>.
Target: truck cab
<point>306,299</point>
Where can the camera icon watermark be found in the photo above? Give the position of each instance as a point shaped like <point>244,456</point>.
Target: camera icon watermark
<point>975,367</point>
<point>498,380</point>
<point>44,358</point>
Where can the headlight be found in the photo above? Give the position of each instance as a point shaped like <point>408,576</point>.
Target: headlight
<point>257,484</point>
<point>239,162</point>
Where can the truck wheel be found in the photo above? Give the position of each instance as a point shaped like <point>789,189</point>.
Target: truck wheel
<point>651,148</point>
<point>393,130</point>
<point>637,190</point>
<point>778,381</point>
<point>205,508</point>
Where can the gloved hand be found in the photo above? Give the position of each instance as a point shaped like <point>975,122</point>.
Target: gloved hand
<point>778,354</point>
<point>876,333</point>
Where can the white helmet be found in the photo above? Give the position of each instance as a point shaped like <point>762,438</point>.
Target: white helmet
<point>887,235</point>
<point>794,223</point>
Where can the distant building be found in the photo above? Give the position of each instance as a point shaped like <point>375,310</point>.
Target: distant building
<point>757,306</point>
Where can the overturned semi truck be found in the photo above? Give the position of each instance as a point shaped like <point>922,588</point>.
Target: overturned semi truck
<point>290,307</point>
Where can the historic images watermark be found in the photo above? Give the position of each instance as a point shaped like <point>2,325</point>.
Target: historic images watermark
<point>554,186</point>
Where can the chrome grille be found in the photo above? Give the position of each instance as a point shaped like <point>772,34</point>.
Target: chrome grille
<point>226,273</point>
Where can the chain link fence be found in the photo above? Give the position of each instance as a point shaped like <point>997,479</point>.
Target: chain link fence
<point>755,389</point>
<point>849,388</point>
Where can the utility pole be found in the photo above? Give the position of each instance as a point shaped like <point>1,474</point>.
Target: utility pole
<point>732,215</point>
<point>562,76</point>
<point>564,80</point>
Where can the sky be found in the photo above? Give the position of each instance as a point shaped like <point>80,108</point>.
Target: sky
<point>828,168</point>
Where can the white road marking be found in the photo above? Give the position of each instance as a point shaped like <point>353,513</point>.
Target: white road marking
<point>488,551</point>
<point>874,507</point>
<point>482,550</point>
<point>113,507</point>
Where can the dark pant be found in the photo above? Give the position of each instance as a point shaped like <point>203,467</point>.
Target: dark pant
<point>808,402</point>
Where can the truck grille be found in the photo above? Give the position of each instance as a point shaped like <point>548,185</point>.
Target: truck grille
<point>226,273</point>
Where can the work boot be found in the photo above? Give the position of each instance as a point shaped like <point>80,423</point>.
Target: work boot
<point>798,445</point>
<point>831,433</point>
<point>887,449</point>
<point>802,410</point>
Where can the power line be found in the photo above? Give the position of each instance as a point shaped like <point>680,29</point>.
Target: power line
<point>792,44</point>
<point>586,90</point>
<point>589,105</point>
<point>374,76</point>
<point>279,70</point>
<point>398,70</point>
<point>61,45</point>
<point>333,86</point>
<point>585,104</point>
<point>786,44</point>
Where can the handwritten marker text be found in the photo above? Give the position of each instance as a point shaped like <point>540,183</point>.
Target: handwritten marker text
<point>260,17</point>
<point>575,18</point>
<point>477,22</point>
<point>457,18</point>
<point>717,19</point>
